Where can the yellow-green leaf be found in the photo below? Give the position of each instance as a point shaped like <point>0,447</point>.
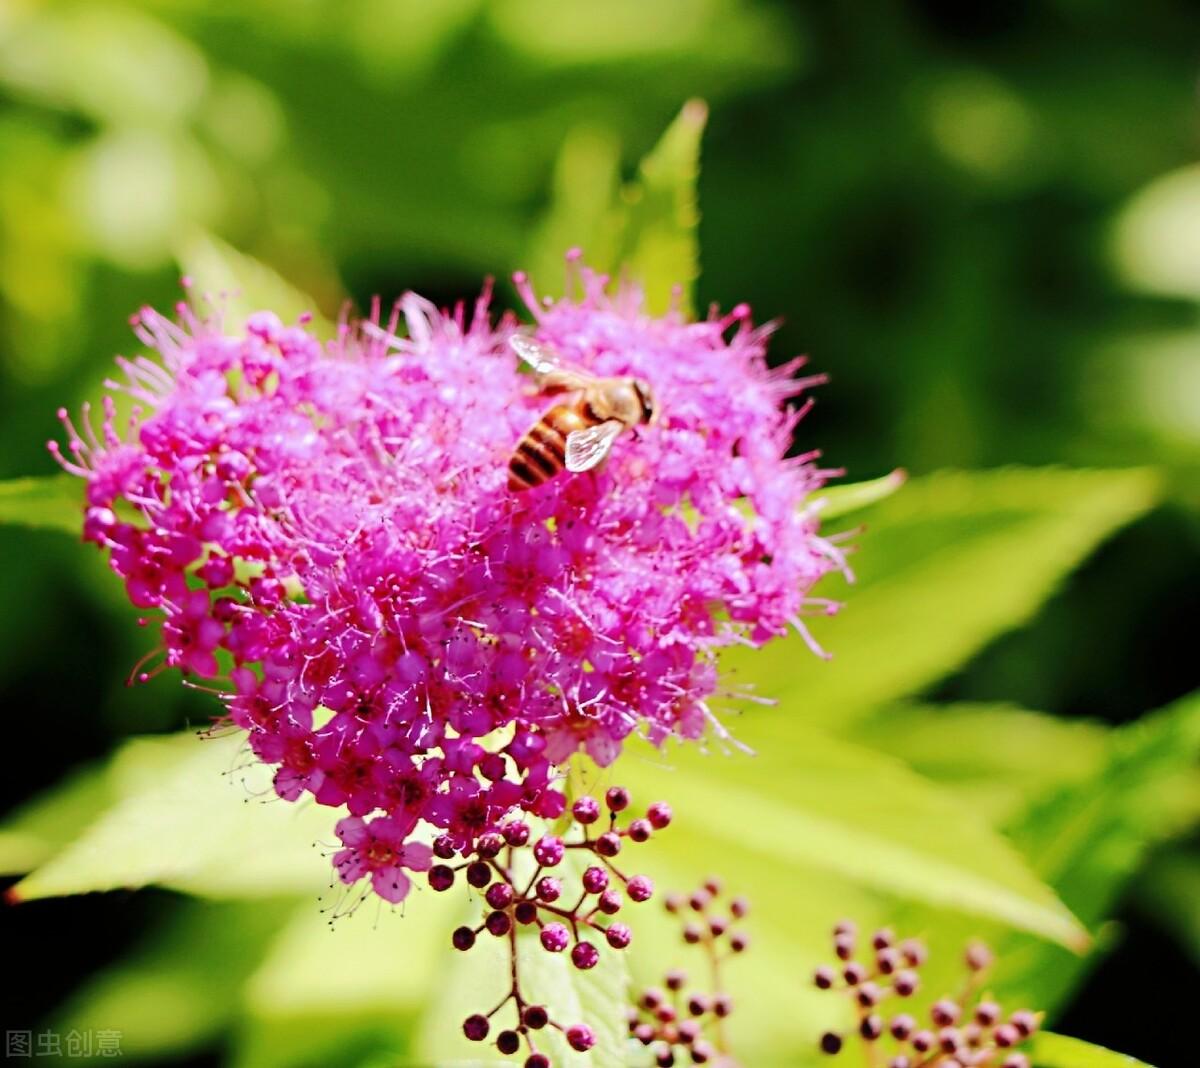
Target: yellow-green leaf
<point>943,567</point>
<point>195,815</point>
<point>1060,1051</point>
<point>54,502</point>
<point>661,249</point>
<point>238,284</point>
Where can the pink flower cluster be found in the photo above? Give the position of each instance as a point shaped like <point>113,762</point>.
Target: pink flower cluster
<point>327,528</point>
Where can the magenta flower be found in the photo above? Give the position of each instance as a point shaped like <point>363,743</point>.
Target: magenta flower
<point>329,528</point>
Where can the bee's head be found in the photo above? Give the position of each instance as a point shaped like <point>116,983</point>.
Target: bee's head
<point>646,398</point>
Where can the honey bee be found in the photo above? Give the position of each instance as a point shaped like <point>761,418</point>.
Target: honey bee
<point>576,434</point>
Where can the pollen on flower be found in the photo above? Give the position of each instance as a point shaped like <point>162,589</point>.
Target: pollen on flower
<point>325,529</point>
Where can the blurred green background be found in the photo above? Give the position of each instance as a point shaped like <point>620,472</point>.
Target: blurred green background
<point>982,220</point>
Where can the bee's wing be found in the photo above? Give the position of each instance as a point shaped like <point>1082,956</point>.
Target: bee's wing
<point>586,448</point>
<point>541,358</point>
<point>546,363</point>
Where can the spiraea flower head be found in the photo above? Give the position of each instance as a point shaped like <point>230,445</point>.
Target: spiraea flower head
<point>327,530</point>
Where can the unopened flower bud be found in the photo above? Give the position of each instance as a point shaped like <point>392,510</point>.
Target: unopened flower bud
<point>618,935</point>
<point>508,1042</point>
<point>525,912</point>
<point>868,995</point>
<point>476,1027</point>
<point>548,851</point>
<point>923,1041</point>
<point>831,1043</point>
<point>536,1017</point>
<point>608,844</point>
<point>586,810</point>
<point>549,889</point>
<point>555,937</point>
<point>617,799</point>
<point>640,888</point>
<point>871,1027</point>
<point>489,845</point>
<point>949,1040</point>
<point>1024,1021</point>
<point>584,956</point>
<point>659,815</point>
<point>594,880</point>
<point>987,1013</point>
<point>1006,1035</point>
<point>516,832</point>
<point>441,877</point>
<point>499,895</point>
<point>824,978</point>
<point>580,1037</point>
<point>977,957</point>
<point>945,1012</point>
<point>640,830</point>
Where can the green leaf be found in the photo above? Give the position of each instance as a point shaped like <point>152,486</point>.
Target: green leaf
<point>645,230</point>
<point>194,815</point>
<point>997,758</point>
<point>584,211</point>
<point>661,249</point>
<point>943,567</point>
<point>1087,839</point>
<point>54,502</point>
<point>827,805</point>
<point>1169,892</point>
<point>180,985</point>
<point>41,827</point>
<point>337,992</point>
<point>835,501</point>
<point>1059,1051</point>
<point>238,284</point>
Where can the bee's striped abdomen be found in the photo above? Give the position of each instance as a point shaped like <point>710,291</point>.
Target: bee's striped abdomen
<point>542,452</point>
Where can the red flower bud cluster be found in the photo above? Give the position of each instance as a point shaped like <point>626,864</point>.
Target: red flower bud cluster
<point>526,882</point>
<point>679,1023</point>
<point>964,1031</point>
